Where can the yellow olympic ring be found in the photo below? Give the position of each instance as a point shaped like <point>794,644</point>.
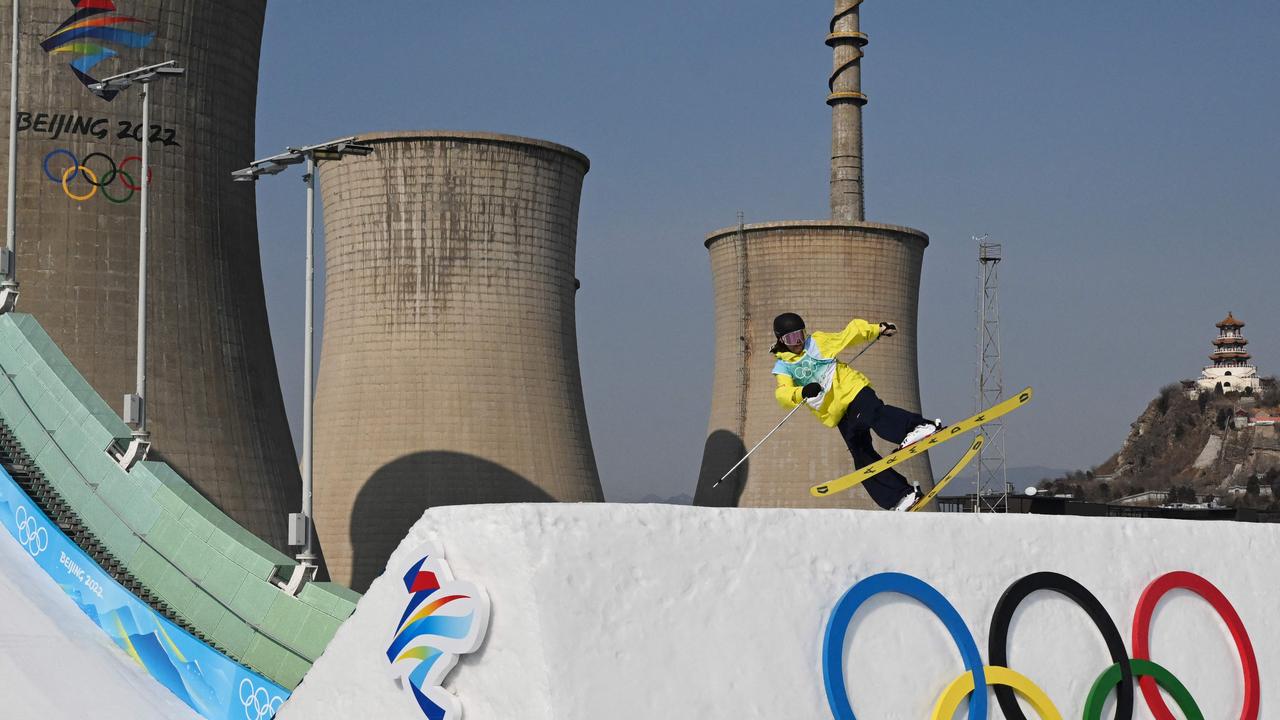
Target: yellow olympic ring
<point>93,183</point>
<point>950,699</point>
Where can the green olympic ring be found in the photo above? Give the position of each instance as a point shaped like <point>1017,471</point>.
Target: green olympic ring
<point>1141,668</point>
<point>128,185</point>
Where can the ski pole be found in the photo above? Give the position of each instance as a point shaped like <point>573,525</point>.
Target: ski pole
<point>788,417</point>
<point>766,437</point>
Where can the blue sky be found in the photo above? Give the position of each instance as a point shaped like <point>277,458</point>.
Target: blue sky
<point>1126,155</point>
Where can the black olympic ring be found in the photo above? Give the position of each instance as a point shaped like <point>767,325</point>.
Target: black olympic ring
<point>998,641</point>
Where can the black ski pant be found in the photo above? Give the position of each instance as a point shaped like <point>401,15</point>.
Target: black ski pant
<point>866,413</point>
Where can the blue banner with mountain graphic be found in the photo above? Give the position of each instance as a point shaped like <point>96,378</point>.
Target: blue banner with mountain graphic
<point>209,682</point>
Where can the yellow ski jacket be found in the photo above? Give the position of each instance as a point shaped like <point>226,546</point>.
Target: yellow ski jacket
<point>818,363</point>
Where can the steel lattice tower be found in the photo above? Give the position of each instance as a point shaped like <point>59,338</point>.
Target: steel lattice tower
<point>991,458</point>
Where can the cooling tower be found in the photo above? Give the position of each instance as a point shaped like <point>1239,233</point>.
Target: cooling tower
<point>449,365</point>
<point>214,405</point>
<point>828,271</point>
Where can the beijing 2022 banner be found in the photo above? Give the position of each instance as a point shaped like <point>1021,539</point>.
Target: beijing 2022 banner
<point>209,682</point>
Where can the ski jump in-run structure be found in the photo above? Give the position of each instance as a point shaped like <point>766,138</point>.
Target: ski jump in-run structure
<point>176,557</point>
<point>214,408</point>
<point>829,271</point>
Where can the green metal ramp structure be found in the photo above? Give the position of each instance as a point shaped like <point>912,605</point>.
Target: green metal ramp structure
<point>147,527</point>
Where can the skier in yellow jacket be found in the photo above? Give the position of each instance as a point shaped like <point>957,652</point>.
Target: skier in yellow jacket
<point>807,371</point>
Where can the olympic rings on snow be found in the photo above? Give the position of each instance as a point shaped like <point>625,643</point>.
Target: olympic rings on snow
<point>997,641</point>
<point>999,678</point>
<point>838,626</point>
<point>98,180</point>
<point>1143,669</point>
<point>1006,682</point>
<point>1205,589</point>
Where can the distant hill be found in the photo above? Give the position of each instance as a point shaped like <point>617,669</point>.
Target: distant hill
<point>1191,447</point>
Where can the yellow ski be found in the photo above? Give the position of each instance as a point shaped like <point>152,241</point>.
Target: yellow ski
<point>961,464</point>
<point>943,435</point>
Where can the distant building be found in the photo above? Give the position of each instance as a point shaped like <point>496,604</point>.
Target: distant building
<point>1149,497</point>
<point>1230,371</point>
<point>1237,490</point>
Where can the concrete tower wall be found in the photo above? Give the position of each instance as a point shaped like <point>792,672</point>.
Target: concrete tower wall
<point>449,370</point>
<point>213,398</point>
<point>829,273</point>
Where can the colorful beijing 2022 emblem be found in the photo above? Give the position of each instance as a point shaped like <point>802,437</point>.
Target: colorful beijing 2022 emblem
<point>443,618</point>
<point>91,35</point>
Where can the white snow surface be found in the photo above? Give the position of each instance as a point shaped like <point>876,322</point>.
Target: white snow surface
<point>634,612</point>
<point>55,663</point>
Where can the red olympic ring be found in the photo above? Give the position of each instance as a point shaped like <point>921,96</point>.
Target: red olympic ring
<point>124,179</point>
<point>1142,633</point>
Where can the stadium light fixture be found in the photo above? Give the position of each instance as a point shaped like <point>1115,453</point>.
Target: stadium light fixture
<point>135,408</point>
<point>301,527</point>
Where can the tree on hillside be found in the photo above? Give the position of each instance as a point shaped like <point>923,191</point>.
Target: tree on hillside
<point>1272,480</point>
<point>1270,393</point>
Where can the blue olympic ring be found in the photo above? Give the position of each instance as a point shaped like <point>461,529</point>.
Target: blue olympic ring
<point>75,163</point>
<point>842,614</point>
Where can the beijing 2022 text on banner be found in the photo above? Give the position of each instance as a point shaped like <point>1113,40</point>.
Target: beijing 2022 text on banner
<point>213,685</point>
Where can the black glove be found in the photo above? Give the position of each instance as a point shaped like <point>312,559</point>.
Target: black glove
<point>887,329</point>
<point>811,390</point>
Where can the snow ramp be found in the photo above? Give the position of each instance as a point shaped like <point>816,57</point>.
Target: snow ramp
<point>632,612</point>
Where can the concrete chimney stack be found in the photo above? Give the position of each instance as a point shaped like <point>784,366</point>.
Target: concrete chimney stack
<point>846,101</point>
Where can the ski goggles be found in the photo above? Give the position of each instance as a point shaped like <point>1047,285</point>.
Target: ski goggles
<point>793,338</point>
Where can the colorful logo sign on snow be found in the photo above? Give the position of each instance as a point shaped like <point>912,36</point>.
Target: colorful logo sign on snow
<point>212,684</point>
<point>88,35</point>
<point>444,618</point>
<point>1005,682</point>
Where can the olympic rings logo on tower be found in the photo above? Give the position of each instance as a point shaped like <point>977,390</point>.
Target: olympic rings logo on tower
<point>30,535</point>
<point>98,171</point>
<point>1005,682</point>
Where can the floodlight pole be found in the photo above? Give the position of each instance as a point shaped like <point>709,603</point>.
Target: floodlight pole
<point>140,432</point>
<point>301,525</point>
<point>135,405</point>
<point>307,556</point>
<point>9,286</point>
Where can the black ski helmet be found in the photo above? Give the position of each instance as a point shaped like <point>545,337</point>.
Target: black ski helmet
<point>783,324</point>
<point>787,322</point>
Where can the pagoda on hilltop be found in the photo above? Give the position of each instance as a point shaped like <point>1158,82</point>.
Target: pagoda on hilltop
<point>1230,371</point>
